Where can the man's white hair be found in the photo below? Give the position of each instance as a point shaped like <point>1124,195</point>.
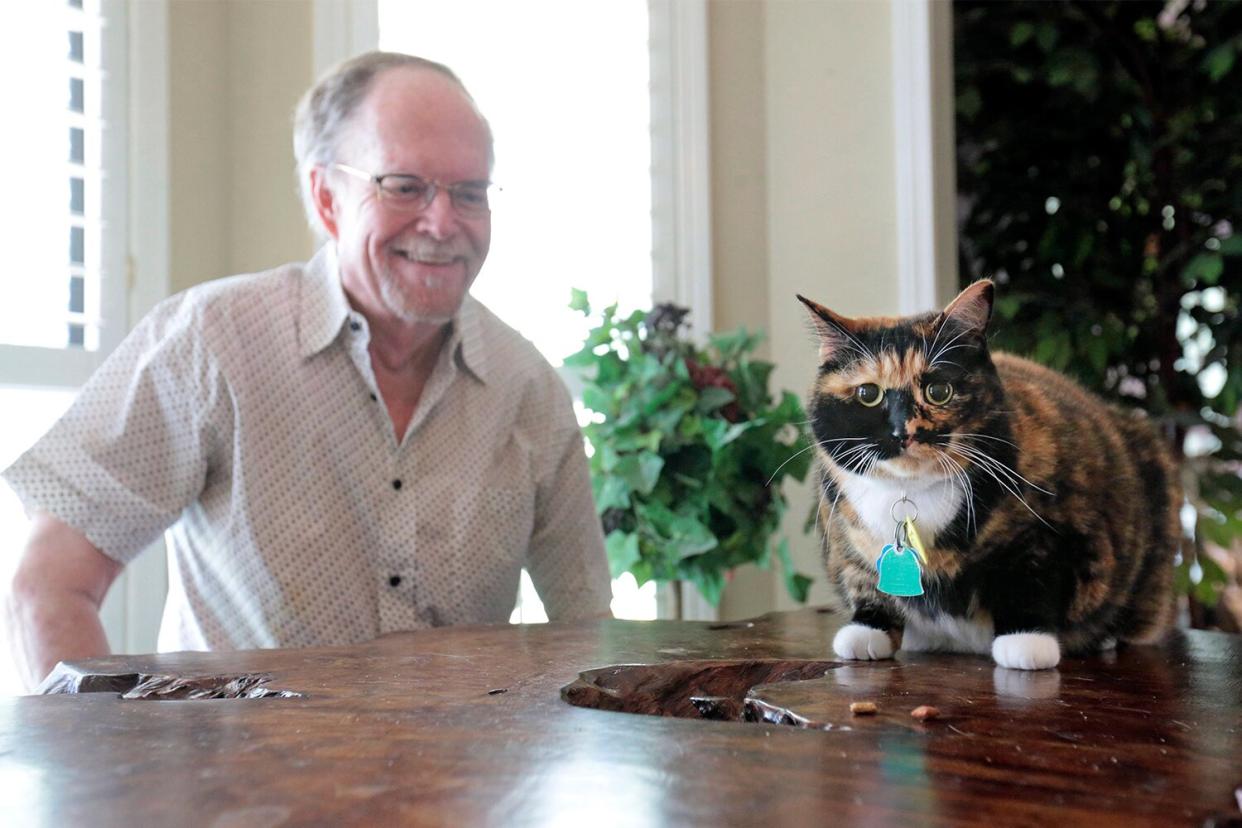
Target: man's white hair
<point>323,115</point>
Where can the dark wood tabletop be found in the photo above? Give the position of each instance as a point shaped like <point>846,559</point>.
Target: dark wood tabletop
<point>747,723</point>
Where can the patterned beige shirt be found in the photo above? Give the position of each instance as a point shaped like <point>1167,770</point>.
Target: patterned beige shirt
<point>243,416</point>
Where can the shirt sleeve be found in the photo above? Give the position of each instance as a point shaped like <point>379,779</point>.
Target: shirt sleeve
<point>135,447</point>
<point>566,559</point>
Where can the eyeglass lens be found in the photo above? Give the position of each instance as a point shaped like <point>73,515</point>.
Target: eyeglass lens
<point>467,197</point>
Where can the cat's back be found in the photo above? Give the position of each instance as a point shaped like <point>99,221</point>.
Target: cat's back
<point>1050,402</point>
<point>1043,389</point>
<point>1112,490</point>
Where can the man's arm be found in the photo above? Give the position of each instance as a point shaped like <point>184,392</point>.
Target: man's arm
<point>566,561</point>
<point>54,599</point>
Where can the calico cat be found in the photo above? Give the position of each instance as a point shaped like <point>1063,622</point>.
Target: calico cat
<point>1049,520</point>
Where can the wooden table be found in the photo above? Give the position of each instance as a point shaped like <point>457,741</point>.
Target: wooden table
<point>469,726</point>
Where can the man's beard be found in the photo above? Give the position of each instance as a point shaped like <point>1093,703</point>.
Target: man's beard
<point>403,306</point>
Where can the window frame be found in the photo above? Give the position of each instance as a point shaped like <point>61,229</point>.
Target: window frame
<point>133,266</point>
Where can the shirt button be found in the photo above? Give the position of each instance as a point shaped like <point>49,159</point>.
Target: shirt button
<point>396,484</point>
<point>394,580</point>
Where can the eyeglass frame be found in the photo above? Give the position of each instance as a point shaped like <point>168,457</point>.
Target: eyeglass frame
<point>434,188</point>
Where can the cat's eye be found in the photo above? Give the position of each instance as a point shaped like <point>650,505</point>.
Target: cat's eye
<point>938,393</point>
<point>869,394</point>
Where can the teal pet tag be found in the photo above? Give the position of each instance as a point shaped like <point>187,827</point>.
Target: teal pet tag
<point>900,573</point>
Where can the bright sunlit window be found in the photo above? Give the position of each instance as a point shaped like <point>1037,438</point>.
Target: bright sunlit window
<point>50,282</point>
<point>54,226</point>
<point>565,85</point>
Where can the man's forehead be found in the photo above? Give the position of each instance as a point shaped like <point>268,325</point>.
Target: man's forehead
<point>411,109</point>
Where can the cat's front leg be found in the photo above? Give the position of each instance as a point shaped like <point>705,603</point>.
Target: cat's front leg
<point>1024,637</point>
<point>871,635</point>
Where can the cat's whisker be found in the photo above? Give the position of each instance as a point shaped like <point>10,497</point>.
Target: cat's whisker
<point>991,466</point>
<point>856,457</point>
<point>967,488</point>
<point>949,346</point>
<point>847,459</point>
<point>981,457</point>
<point>858,345</point>
<point>939,359</point>
<point>1010,471</point>
<point>872,462</point>
<point>982,437</point>
<point>789,460</point>
<point>832,511</point>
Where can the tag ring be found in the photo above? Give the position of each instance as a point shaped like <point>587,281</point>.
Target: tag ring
<point>892,512</point>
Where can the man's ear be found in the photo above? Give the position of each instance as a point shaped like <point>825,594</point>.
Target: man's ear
<point>324,199</point>
<point>972,309</point>
<point>835,332</point>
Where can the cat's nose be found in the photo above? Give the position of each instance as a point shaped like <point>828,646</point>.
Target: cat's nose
<point>902,438</point>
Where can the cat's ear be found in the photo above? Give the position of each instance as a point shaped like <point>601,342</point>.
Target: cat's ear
<point>972,309</point>
<point>835,332</point>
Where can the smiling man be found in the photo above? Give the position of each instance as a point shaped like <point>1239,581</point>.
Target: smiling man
<point>337,449</point>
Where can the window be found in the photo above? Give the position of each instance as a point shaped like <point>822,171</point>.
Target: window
<point>62,293</point>
<point>566,88</point>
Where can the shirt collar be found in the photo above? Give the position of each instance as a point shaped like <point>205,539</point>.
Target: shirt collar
<point>324,310</point>
<point>467,338</point>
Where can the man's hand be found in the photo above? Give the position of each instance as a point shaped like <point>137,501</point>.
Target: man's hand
<point>54,599</point>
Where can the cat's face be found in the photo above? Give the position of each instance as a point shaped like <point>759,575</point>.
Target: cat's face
<point>891,394</point>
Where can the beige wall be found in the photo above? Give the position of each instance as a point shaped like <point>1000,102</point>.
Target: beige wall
<point>802,173</point>
<point>232,202</point>
<point>804,196</point>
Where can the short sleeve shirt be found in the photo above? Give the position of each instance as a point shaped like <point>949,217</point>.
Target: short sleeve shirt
<point>243,416</point>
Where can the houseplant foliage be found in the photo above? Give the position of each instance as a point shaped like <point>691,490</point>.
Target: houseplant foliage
<point>689,449</point>
<point>1100,181</point>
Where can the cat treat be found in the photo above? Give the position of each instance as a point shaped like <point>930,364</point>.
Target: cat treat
<point>977,502</point>
<point>864,708</point>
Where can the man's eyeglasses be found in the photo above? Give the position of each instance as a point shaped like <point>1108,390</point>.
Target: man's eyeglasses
<point>412,192</point>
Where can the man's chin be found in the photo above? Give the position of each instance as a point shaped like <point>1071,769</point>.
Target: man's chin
<point>436,308</point>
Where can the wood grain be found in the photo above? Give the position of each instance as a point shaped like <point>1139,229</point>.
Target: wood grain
<point>467,726</point>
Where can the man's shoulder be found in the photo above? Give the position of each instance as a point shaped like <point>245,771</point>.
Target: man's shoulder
<point>231,304</point>
<point>510,355</point>
<point>260,292</point>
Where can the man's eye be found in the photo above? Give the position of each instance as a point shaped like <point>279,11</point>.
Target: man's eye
<point>407,189</point>
<point>471,196</point>
<point>938,393</point>
<point>869,394</point>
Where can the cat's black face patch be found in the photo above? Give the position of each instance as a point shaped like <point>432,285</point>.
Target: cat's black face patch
<point>906,361</point>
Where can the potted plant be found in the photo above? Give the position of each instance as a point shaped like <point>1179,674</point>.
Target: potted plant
<point>689,449</point>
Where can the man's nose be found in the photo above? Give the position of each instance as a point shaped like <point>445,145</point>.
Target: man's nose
<point>439,218</point>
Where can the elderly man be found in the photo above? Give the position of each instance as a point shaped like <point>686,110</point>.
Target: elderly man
<point>338,449</point>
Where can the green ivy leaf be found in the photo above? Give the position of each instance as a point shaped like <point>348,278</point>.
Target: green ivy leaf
<point>969,102</point>
<point>710,584</point>
<point>622,548</point>
<point>1203,269</point>
<point>1046,35</point>
<point>690,537</point>
<point>712,398</point>
<point>798,585</point>
<point>640,471</point>
<point>1021,33</point>
<point>1219,61</point>
<point>613,494</point>
<point>1231,246</point>
<point>578,301</point>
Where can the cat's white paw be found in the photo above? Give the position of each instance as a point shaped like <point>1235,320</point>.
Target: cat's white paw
<point>1026,651</point>
<point>862,643</point>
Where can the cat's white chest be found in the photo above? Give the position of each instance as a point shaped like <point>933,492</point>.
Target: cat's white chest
<point>936,500</point>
